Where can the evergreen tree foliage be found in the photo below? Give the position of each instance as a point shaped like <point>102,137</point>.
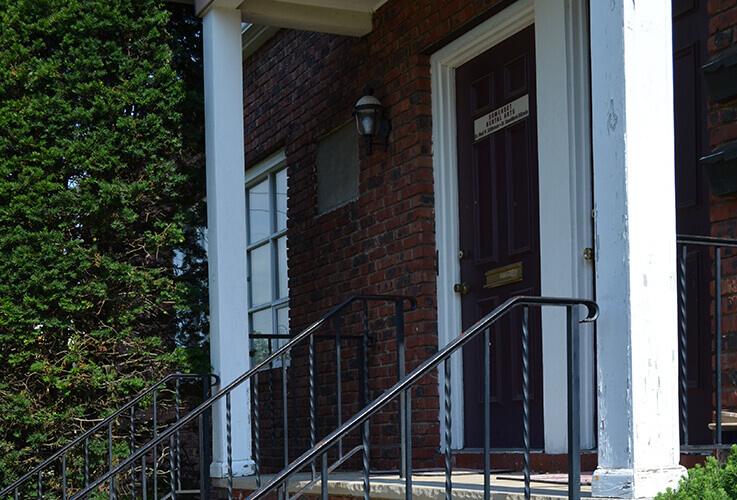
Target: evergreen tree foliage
<point>100,183</point>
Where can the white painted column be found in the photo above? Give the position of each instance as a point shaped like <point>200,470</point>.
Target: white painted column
<point>226,216</point>
<point>634,203</point>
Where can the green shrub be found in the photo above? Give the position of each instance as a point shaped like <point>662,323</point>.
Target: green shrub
<point>711,482</point>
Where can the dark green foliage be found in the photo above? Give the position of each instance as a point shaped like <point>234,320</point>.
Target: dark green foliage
<point>97,191</point>
<point>711,482</point>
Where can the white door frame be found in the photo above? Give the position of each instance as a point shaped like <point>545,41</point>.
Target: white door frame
<point>564,158</point>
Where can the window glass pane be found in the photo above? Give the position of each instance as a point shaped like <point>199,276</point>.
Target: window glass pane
<point>260,261</point>
<point>282,319</point>
<point>258,212</point>
<point>281,199</point>
<point>261,324</point>
<point>282,328</point>
<point>282,263</point>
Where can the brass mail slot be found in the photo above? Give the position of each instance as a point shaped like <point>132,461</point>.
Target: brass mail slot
<point>504,275</point>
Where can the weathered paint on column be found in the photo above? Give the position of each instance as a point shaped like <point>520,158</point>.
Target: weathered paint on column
<point>226,209</point>
<point>634,200</point>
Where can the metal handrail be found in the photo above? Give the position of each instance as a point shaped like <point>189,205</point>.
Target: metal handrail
<point>716,244</point>
<point>225,392</point>
<point>404,385</point>
<point>101,425</point>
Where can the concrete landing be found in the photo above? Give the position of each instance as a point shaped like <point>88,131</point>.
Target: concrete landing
<point>467,485</point>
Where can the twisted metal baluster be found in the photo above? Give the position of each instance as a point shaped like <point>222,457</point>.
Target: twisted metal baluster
<point>683,339</point>
<point>313,406</point>
<point>526,397</point>
<point>448,434</point>
<point>172,473</point>
<point>144,485</point>
<point>86,462</point>
<point>272,404</point>
<point>229,438</point>
<point>718,339</point>
<point>487,415</point>
<point>256,432</point>
<point>178,457</point>
<point>155,451</point>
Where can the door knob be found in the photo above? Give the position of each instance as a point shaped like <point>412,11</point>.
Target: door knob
<point>461,288</point>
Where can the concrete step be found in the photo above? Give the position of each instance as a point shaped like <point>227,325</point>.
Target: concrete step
<point>467,485</point>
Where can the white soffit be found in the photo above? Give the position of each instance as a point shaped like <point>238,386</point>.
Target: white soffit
<point>342,17</point>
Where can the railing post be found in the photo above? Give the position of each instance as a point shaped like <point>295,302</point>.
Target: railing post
<point>206,450</point>
<point>362,389</point>
<point>285,416</point>
<point>204,465</point>
<point>110,452</point>
<point>155,450</point>
<point>407,396</point>
<point>324,476</point>
<point>133,449</point>
<point>64,476</point>
<point>399,322</point>
<point>574,406</point>
<point>338,381</point>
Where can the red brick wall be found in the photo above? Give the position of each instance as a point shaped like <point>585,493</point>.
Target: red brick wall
<point>302,85</point>
<point>722,124</point>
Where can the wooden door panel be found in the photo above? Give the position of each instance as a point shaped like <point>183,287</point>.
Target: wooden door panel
<point>516,77</point>
<point>519,195</point>
<point>689,188</point>
<point>486,191</point>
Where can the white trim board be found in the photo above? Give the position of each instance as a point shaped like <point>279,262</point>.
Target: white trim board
<point>565,193</point>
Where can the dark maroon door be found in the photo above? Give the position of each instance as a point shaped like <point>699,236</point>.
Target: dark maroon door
<point>690,33</point>
<point>499,233</point>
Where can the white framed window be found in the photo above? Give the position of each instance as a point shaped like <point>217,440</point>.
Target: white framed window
<point>266,256</point>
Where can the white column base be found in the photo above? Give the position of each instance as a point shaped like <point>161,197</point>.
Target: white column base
<point>241,468</point>
<point>634,483</point>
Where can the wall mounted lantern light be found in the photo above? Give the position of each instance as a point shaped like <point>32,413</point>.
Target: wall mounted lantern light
<point>371,120</point>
